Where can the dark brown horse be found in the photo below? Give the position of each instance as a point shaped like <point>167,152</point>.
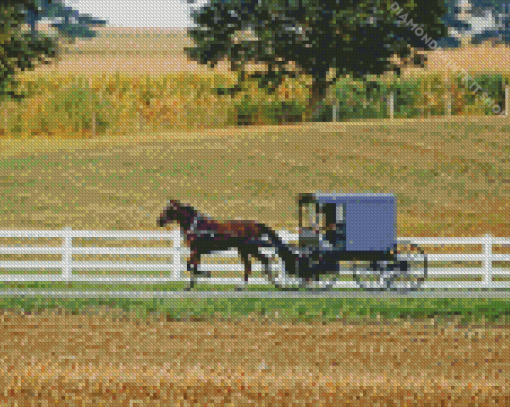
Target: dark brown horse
<point>205,235</point>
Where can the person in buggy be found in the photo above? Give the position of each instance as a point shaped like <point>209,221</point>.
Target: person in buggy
<point>334,228</point>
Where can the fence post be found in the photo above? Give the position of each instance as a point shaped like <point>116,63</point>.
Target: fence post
<point>449,96</point>
<point>140,120</point>
<point>5,116</point>
<point>335,112</point>
<point>67,254</point>
<point>179,264</point>
<point>487,261</point>
<point>285,238</point>
<point>506,101</point>
<point>391,105</point>
<point>93,110</point>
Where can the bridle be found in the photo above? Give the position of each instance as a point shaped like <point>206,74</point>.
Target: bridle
<point>193,227</point>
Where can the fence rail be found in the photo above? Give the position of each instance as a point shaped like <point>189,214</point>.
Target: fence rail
<point>178,264</point>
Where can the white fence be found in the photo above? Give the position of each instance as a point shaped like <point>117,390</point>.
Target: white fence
<point>178,264</point>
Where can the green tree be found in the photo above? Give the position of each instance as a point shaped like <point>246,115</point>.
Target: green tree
<point>20,50</point>
<point>325,39</point>
<point>71,26</point>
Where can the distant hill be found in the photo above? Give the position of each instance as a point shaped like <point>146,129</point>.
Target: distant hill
<point>486,57</point>
<point>159,50</point>
<point>124,30</point>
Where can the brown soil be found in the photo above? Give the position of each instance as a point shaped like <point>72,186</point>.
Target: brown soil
<point>113,359</point>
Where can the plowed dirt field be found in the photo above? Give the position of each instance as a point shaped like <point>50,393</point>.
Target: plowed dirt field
<point>111,358</point>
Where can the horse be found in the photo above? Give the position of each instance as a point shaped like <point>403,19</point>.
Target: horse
<point>205,235</point>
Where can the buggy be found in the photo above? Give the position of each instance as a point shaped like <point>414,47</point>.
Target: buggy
<point>351,234</point>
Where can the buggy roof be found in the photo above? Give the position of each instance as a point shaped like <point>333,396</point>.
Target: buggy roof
<point>339,198</point>
<point>370,219</point>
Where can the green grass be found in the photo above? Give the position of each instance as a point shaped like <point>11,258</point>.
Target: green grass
<point>315,310</point>
<point>179,286</point>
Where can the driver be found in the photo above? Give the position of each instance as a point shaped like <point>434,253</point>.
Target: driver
<point>335,233</point>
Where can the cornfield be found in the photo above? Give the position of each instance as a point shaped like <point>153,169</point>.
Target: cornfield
<point>73,106</point>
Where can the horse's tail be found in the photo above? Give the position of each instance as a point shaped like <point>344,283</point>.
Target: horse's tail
<point>282,249</point>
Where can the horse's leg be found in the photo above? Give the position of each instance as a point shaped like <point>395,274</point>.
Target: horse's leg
<point>247,270</point>
<point>193,268</point>
<point>267,270</point>
<point>192,276</point>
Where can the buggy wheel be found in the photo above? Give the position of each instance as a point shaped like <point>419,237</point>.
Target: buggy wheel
<point>280,278</point>
<point>411,268</point>
<point>323,280</point>
<point>373,275</point>
<point>322,275</point>
<point>319,283</point>
<point>275,272</point>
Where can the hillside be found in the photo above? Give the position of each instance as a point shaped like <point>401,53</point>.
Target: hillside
<point>160,50</point>
<point>482,58</point>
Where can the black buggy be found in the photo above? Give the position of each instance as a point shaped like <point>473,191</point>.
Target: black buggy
<point>351,234</point>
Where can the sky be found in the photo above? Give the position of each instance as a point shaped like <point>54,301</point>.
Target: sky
<point>167,13</point>
<point>138,13</point>
<point>478,23</point>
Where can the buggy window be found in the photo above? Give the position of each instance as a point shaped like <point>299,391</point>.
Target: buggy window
<point>340,213</point>
<point>309,215</point>
<point>328,213</point>
<point>332,213</point>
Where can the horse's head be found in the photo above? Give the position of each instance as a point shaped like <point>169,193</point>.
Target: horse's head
<point>175,212</point>
<point>170,213</point>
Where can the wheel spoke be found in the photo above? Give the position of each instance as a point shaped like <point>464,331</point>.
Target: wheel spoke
<point>372,276</point>
<point>406,273</point>
<point>412,266</point>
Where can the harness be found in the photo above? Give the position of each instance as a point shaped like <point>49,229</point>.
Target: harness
<point>193,227</point>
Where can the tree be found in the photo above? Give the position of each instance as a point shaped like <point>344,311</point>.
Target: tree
<point>72,24</point>
<point>452,20</point>
<point>18,49</point>
<point>349,37</point>
<point>21,50</point>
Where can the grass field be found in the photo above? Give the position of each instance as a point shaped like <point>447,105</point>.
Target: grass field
<point>451,177</point>
<point>159,50</point>
<point>316,310</point>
